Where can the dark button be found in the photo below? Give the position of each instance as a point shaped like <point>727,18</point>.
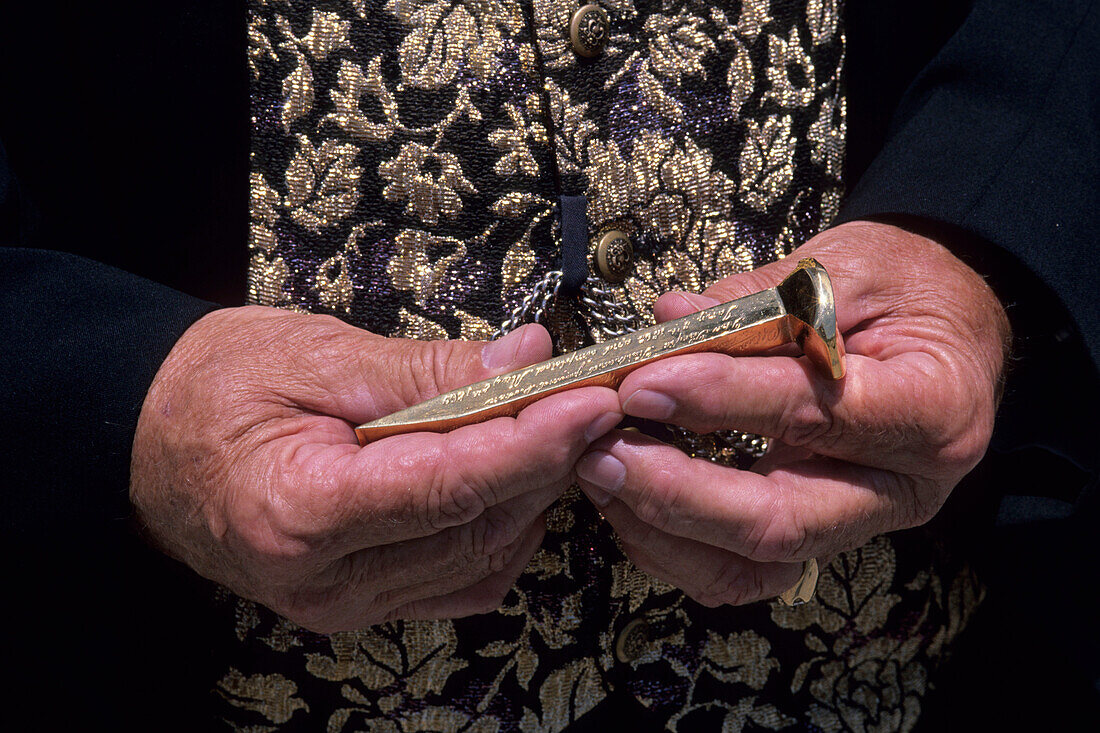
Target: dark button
<point>614,256</point>
<point>632,641</point>
<point>588,30</point>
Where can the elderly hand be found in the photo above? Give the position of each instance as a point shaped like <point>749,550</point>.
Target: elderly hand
<point>878,451</point>
<point>245,466</point>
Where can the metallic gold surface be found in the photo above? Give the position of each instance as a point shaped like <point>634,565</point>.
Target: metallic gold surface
<point>802,591</point>
<point>614,256</point>
<point>632,641</point>
<point>588,30</point>
<point>801,309</point>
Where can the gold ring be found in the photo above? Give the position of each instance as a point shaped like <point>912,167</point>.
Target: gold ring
<point>802,591</point>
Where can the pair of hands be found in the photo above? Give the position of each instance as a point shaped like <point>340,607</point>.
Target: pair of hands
<point>245,464</point>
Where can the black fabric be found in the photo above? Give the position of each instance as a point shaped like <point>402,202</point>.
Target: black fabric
<point>77,389</point>
<point>124,136</point>
<point>574,243</point>
<point>998,136</point>
<point>993,151</point>
<point>89,609</point>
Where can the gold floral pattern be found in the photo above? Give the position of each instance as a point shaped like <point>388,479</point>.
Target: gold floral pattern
<point>449,36</point>
<point>407,159</point>
<point>677,45</point>
<point>513,140</point>
<point>413,269</point>
<point>822,18</point>
<point>427,195</point>
<point>790,71</point>
<point>270,695</point>
<point>322,183</point>
<point>767,161</point>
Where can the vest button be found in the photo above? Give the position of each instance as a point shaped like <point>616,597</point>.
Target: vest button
<point>614,256</point>
<point>632,641</point>
<point>588,30</point>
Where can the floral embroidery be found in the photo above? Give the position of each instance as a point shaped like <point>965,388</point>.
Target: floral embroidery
<point>766,162</point>
<point>427,195</point>
<point>451,36</point>
<point>791,72</point>
<point>322,183</point>
<point>676,45</point>
<point>513,140</point>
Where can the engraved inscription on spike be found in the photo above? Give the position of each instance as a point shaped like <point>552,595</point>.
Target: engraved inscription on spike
<point>801,310</point>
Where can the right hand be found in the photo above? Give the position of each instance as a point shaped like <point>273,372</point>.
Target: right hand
<point>245,466</point>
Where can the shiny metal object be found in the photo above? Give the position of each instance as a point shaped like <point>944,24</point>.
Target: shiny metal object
<point>588,30</point>
<point>632,641</point>
<point>801,309</point>
<point>802,591</point>
<point>614,256</point>
<point>534,305</point>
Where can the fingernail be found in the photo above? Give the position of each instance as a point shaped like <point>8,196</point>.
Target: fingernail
<point>599,427</point>
<point>599,497</point>
<point>650,405</point>
<point>602,469</point>
<point>697,300</point>
<point>501,352</point>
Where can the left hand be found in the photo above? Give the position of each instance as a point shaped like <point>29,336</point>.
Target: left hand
<point>877,451</point>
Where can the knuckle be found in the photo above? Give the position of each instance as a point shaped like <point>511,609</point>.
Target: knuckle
<point>704,600</point>
<point>432,367</point>
<point>657,497</point>
<point>645,562</point>
<point>925,502</point>
<point>472,562</point>
<point>966,449</point>
<point>637,535</point>
<point>489,599</point>
<point>391,604</point>
<point>809,422</point>
<point>959,423</point>
<point>452,501</point>
<point>312,609</point>
<point>499,560</point>
<point>263,538</point>
<point>733,584</point>
<point>321,342</point>
<point>492,532</point>
<point>777,534</point>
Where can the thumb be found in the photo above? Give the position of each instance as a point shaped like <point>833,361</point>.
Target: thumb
<point>390,374</point>
<point>428,368</point>
<point>677,304</point>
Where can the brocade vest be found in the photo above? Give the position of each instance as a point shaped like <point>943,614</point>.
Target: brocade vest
<point>409,163</point>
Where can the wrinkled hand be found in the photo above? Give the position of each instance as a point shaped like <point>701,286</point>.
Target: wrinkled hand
<point>878,451</point>
<point>245,466</point>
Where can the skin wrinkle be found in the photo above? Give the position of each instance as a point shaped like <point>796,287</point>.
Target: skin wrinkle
<point>451,500</point>
<point>485,595</point>
<point>384,570</point>
<point>734,583</point>
<point>916,407</point>
<point>483,486</point>
<point>289,495</point>
<point>645,546</point>
<point>658,504</point>
<point>784,531</point>
<point>310,510</point>
<point>492,531</point>
<point>769,507</point>
<point>810,422</point>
